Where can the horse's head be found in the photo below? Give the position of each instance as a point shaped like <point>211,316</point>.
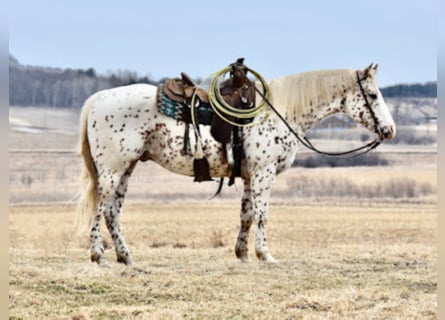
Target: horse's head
<point>366,105</point>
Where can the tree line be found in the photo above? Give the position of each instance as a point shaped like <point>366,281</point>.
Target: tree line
<point>56,87</point>
<point>416,90</point>
<point>44,86</point>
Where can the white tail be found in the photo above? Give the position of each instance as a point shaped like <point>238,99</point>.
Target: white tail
<point>88,177</point>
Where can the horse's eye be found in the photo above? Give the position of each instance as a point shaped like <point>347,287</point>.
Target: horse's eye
<point>373,96</point>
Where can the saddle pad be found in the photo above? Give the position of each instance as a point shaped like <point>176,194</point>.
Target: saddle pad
<point>177,111</point>
<point>168,107</point>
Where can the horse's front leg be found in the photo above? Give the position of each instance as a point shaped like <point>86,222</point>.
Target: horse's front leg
<point>261,185</point>
<point>246,217</point>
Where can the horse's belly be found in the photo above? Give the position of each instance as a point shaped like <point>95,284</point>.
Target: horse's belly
<point>178,165</point>
<point>183,165</point>
<point>166,147</point>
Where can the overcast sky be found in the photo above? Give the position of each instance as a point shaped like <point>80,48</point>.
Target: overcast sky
<point>162,38</point>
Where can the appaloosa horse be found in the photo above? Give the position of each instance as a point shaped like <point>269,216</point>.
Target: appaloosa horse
<point>122,126</point>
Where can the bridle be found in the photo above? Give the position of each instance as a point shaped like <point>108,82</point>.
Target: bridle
<point>354,152</point>
<point>367,104</point>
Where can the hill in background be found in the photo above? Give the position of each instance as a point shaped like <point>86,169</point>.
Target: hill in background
<point>416,90</point>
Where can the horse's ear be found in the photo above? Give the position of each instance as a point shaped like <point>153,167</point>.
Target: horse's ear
<point>370,70</point>
<point>373,70</point>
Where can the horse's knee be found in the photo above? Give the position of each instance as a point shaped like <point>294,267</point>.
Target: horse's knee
<point>260,220</point>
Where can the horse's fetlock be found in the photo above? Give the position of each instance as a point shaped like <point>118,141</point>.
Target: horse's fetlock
<point>240,251</point>
<point>96,257</point>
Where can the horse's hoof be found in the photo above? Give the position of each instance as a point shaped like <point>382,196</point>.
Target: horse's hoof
<point>97,257</point>
<point>100,260</point>
<point>271,260</point>
<point>241,254</point>
<point>104,264</point>
<point>266,257</point>
<point>125,260</point>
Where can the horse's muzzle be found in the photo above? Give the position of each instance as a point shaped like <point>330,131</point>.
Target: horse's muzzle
<point>387,133</point>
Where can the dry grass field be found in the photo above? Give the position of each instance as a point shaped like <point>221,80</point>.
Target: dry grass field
<point>336,261</point>
<point>352,243</point>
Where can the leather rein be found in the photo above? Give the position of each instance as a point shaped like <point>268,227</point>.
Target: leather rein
<point>305,141</point>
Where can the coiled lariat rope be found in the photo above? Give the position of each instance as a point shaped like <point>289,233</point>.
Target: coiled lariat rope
<point>223,109</point>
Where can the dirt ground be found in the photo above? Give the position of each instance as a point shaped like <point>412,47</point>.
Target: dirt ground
<point>336,261</point>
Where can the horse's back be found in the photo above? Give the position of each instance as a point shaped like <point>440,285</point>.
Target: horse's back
<point>135,94</point>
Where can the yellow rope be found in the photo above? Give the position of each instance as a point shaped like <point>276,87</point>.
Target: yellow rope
<point>219,106</point>
<point>223,109</point>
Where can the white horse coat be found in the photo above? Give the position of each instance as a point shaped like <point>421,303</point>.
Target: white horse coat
<point>122,126</point>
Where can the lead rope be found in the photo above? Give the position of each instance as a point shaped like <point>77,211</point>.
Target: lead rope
<point>218,105</point>
<point>305,141</point>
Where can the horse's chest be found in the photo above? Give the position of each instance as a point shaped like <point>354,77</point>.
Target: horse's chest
<point>270,146</point>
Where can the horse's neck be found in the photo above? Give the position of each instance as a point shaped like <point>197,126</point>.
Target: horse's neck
<point>318,112</point>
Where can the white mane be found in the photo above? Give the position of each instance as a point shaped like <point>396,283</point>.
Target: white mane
<point>294,94</point>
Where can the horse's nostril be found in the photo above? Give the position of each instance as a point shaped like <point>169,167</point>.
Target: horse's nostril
<point>387,132</point>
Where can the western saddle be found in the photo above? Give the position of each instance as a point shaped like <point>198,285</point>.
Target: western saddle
<point>182,90</point>
<point>238,91</point>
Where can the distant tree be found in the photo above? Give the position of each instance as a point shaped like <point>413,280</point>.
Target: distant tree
<point>416,90</point>
<point>90,72</point>
<point>43,86</point>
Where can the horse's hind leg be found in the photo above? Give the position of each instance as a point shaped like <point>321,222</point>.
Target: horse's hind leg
<point>246,217</point>
<point>112,188</point>
<point>97,248</point>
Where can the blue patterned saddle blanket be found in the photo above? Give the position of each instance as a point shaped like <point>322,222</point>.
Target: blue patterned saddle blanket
<point>181,112</point>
